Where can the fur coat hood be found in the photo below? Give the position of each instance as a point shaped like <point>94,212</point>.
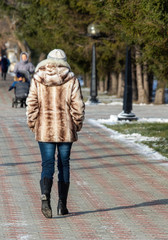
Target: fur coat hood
<point>51,72</point>
<point>55,107</point>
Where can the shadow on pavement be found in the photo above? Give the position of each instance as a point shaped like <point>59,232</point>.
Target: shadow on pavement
<point>112,165</point>
<point>20,155</point>
<point>16,174</point>
<point>18,163</point>
<point>104,156</point>
<point>144,204</point>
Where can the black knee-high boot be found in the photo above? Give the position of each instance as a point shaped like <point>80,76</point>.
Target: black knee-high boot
<point>63,194</point>
<point>46,185</point>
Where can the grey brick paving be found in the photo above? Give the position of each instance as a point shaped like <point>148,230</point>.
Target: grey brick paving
<point>115,193</point>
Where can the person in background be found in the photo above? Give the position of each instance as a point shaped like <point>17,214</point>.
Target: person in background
<point>4,66</point>
<point>24,65</point>
<point>21,90</point>
<point>19,78</point>
<point>55,113</point>
<point>0,62</point>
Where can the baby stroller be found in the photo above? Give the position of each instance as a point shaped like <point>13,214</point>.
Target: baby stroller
<point>21,90</point>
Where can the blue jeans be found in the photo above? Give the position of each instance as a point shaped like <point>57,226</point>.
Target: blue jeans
<point>48,150</point>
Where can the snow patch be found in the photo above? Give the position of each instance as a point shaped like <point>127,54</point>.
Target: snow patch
<point>114,120</point>
<point>130,139</point>
<point>89,103</point>
<point>115,103</point>
<point>25,237</point>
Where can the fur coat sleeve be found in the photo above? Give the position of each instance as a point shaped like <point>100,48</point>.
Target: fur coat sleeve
<point>32,106</point>
<point>77,106</point>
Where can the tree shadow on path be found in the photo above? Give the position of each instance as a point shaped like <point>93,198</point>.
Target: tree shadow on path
<point>144,204</point>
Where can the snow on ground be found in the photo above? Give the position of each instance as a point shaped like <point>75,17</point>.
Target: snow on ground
<point>113,120</point>
<point>115,102</point>
<point>89,103</point>
<point>130,139</point>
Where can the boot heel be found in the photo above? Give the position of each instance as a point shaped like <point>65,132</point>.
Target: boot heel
<point>59,212</point>
<point>61,209</point>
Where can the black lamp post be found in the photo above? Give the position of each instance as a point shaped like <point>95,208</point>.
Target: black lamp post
<point>93,31</point>
<point>127,100</point>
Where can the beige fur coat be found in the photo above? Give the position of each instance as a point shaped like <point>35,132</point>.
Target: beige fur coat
<point>55,107</point>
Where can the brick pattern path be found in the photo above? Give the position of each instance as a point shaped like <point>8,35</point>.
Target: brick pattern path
<point>115,192</point>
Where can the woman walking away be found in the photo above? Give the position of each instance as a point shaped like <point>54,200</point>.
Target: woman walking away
<point>55,113</point>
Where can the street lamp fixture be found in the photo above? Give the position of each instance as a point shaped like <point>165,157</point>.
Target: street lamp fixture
<point>93,32</point>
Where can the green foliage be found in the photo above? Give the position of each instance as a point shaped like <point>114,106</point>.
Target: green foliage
<point>143,23</point>
<point>48,24</point>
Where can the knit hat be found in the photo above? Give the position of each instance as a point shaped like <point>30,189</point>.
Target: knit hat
<point>57,54</point>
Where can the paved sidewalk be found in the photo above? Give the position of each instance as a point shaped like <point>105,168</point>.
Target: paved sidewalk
<point>115,193</point>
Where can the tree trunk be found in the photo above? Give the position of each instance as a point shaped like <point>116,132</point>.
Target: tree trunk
<point>146,83</point>
<point>109,83</point>
<point>42,57</point>
<point>159,96</point>
<point>87,80</point>
<point>142,98</point>
<point>160,93</point>
<point>101,85</point>
<point>120,91</point>
<point>106,83</point>
<point>23,47</point>
<point>114,83</point>
<point>150,79</point>
<point>134,83</point>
